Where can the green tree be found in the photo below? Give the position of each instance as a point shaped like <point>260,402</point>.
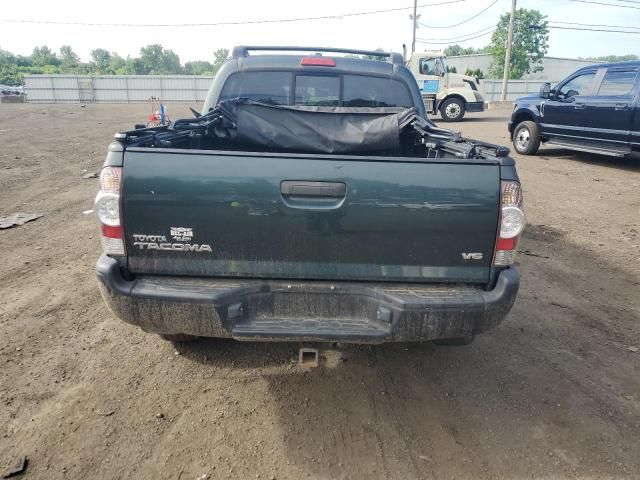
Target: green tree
<point>68,57</point>
<point>530,43</point>
<point>457,50</point>
<point>375,57</point>
<point>69,61</point>
<point>9,74</point>
<point>116,63</point>
<point>219,57</point>
<point>199,67</point>
<point>614,58</point>
<point>156,60</point>
<point>42,56</point>
<point>101,59</point>
<point>477,73</point>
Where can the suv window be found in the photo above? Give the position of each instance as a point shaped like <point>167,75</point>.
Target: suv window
<point>266,87</point>
<point>617,82</point>
<point>362,91</point>
<point>580,85</point>
<point>319,91</point>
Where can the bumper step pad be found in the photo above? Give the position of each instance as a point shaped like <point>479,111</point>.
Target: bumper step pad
<point>321,329</point>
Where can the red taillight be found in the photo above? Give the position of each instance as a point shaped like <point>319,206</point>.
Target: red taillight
<point>107,207</point>
<point>318,62</point>
<point>111,232</point>
<point>506,243</point>
<point>511,223</point>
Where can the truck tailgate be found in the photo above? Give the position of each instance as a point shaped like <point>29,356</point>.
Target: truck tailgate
<point>232,214</point>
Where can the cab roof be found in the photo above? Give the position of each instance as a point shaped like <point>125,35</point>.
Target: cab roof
<point>631,63</point>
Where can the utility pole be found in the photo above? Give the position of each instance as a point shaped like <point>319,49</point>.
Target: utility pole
<point>415,25</point>
<point>507,57</point>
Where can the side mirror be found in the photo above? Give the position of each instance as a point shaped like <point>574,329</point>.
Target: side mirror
<point>545,90</point>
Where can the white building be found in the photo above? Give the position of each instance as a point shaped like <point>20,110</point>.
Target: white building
<point>554,68</point>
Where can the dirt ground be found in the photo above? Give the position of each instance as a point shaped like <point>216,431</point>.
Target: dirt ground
<point>554,392</point>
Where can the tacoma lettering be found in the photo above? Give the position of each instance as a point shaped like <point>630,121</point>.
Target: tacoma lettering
<point>180,247</point>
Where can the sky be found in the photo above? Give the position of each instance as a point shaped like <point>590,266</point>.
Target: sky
<point>383,30</point>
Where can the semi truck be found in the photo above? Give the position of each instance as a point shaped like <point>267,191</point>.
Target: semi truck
<point>444,92</point>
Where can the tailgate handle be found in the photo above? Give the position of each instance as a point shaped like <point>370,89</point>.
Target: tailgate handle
<point>296,188</point>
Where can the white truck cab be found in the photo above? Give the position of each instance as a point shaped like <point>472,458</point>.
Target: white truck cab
<point>451,94</point>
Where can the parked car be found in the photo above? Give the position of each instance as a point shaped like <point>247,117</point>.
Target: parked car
<point>596,109</point>
<point>310,200</point>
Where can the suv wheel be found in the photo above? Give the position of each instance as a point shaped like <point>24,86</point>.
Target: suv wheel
<point>452,110</point>
<point>526,137</point>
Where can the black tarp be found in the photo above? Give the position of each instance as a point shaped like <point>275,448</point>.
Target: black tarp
<point>315,129</point>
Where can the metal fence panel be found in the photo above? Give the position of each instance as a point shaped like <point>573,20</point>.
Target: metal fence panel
<point>116,88</point>
<point>177,88</point>
<point>492,89</point>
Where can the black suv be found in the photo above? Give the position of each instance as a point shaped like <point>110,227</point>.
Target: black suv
<point>596,109</point>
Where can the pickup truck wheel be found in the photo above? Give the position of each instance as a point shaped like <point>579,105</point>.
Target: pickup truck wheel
<point>452,110</point>
<point>526,138</point>
<point>455,341</point>
<point>178,337</point>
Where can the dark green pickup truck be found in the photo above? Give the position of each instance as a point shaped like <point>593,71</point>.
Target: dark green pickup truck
<point>311,200</point>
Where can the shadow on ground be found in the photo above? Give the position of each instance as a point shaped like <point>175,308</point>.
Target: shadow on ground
<point>631,163</point>
<point>519,402</point>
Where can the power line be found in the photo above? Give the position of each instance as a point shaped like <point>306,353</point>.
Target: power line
<point>605,4</point>
<point>491,29</point>
<point>594,25</point>
<point>462,36</point>
<point>464,21</point>
<point>243,22</point>
<point>594,30</point>
<point>448,42</point>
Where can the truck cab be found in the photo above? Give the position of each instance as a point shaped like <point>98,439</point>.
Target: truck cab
<point>450,94</point>
<point>595,109</point>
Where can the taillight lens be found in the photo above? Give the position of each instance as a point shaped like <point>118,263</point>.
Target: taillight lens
<point>107,208</point>
<point>512,223</point>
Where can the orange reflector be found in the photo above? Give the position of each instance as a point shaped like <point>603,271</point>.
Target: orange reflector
<point>318,62</point>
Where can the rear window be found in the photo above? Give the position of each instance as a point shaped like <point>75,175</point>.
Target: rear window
<point>317,90</point>
<point>361,91</point>
<point>265,87</point>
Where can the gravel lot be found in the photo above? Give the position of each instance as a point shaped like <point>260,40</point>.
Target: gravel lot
<point>553,392</point>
